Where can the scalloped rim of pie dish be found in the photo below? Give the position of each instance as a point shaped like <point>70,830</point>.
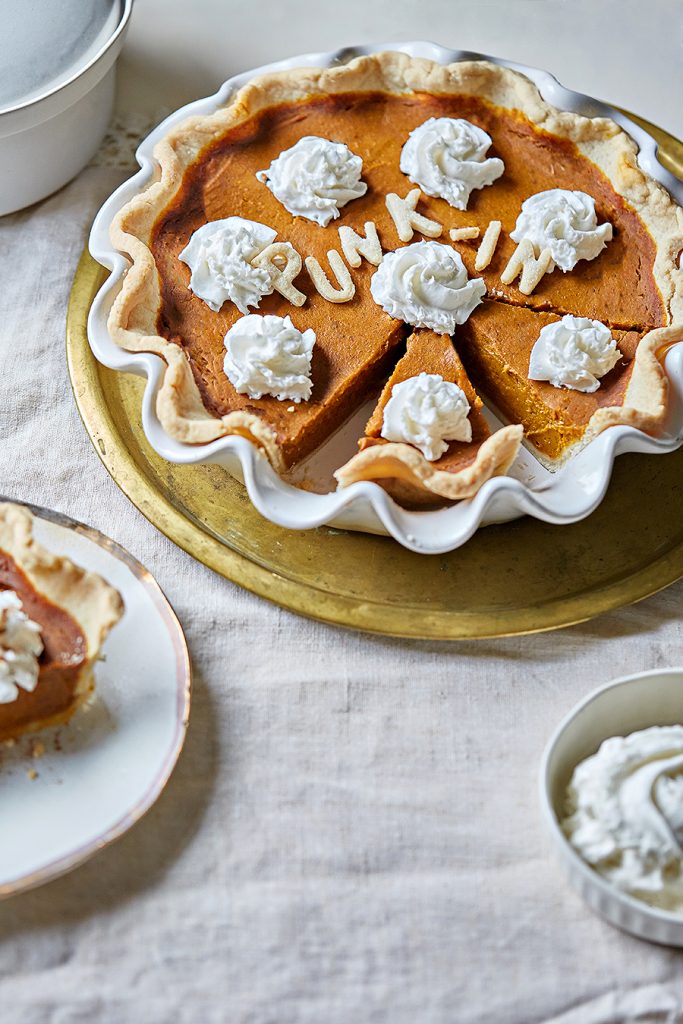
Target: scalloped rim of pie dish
<point>133,317</point>
<point>93,604</point>
<point>412,474</point>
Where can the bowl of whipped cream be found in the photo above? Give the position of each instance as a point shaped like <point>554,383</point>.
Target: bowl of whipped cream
<point>611,788</point>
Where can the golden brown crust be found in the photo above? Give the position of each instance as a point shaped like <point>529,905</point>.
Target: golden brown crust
<point>419,479</point>
<point>132,321</point>
<point>646,400</point>
<point>89,600</point>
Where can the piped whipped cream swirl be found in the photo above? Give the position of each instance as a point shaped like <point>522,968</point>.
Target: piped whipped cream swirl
<point>625,814</point>
<point>314,178</point>
<point>574,352</point>
<point>428,412</point>
<point>564,222</point>
<point>20,648</point>
<point>446,157</point>
<point>219,256</point>
<point>268,355</point>
<point>426,285</point>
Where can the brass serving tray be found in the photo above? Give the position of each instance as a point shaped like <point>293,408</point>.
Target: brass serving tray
<point>521,577</point>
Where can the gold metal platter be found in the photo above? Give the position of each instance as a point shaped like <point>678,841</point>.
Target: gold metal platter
<point>521,577</point>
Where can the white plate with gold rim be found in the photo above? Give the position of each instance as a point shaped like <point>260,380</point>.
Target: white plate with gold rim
<point>98,774</point>
<point>566,496</point>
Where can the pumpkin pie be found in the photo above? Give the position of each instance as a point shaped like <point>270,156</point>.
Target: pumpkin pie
<point>214,167</point>
<point>54,617</point>
<point>402,468</point>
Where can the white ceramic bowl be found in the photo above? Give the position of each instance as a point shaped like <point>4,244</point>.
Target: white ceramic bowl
<point>622,707</point>
<point>47,139</point>
<point>563,497</point>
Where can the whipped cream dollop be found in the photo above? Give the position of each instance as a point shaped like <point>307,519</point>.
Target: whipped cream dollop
<point>428,412</point>
<point>426,285</point>
<point>20,648</point>
<point>314,178</point>
<point>564,222</point>
<point>573,352</point>
<point>268,355</point>
<point>625,814</point>
<point>219,256</point>
<point>446,157</point>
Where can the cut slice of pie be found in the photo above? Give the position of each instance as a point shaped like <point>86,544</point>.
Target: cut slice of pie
<point>54,617</point>
<point>401,468</point>
<point>495,347</point>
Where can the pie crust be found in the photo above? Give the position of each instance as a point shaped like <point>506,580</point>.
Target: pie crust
<point>93,605</point>
<point>133,317</point>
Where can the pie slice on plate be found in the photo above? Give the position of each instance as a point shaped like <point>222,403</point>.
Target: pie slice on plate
<point>54,617</point>
<point>401,467</point>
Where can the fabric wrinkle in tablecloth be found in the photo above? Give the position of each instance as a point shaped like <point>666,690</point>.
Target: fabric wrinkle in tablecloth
<point>352,832</point>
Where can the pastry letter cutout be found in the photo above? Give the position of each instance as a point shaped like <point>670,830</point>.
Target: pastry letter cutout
<point>488,245</point>
<point>354,246</point>
<point>405,218</point>
<point>523,260</point>
<point>463,234</point>
<point>346,289</point>
<point>283,263</point>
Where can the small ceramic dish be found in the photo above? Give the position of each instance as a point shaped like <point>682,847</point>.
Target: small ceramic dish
<point>563,497</point>
<point>622,707</point>
<point>69,791</point>
<point>56,104</point>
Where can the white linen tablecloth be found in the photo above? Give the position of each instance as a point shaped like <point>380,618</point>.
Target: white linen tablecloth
<point>352,833</point>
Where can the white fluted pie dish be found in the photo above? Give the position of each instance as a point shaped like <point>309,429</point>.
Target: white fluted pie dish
<point>562,497</point>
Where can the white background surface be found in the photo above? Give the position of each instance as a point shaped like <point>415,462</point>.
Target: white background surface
<point>352,833</point>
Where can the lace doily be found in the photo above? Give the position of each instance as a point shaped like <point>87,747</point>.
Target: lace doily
<point>124,134</point>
